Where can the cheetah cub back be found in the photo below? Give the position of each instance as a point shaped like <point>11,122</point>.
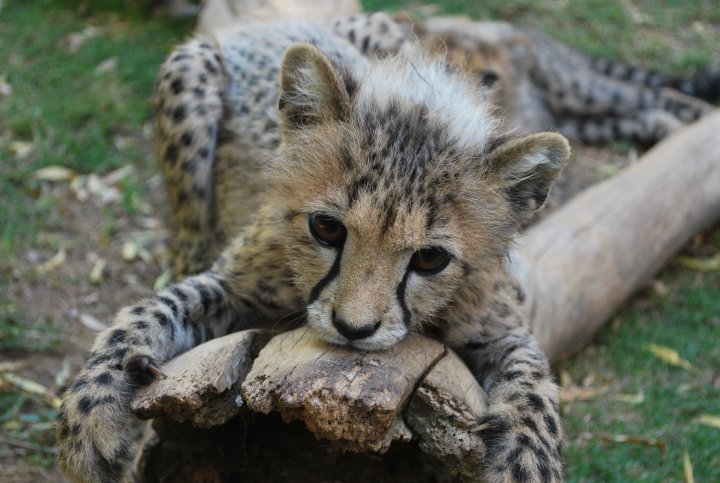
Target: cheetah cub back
<point>392,200</point>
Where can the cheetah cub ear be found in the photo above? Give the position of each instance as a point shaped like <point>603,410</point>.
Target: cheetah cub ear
<point>527,167</point>
<point>312,90</point>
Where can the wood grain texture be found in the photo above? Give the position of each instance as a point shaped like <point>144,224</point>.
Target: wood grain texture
<point>582,262</point>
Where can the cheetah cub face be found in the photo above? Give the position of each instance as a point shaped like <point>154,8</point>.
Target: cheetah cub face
<point>397,187</point>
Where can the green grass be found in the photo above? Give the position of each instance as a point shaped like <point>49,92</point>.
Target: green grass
<point>685,320</point>
<point>68,111</point>
<point>70,114</point>
<point>17,333</point>
<point>669,36</point>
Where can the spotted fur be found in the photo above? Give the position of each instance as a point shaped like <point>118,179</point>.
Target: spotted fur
<point>406,155</point>
<point>542,84</point>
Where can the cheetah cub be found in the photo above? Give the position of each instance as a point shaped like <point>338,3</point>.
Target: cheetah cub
<point>393,198</point>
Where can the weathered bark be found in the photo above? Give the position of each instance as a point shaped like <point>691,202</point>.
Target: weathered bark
<point>357,400</point>
<point>203,385</point>
<point>583,261</point>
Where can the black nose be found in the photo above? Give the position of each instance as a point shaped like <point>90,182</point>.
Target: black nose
<point>354,333</point>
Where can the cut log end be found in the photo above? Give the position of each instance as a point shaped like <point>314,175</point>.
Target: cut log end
<point>359,401</point>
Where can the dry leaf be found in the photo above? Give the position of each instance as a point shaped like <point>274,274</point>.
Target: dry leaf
<point>76,39</point>
<point>130,250</point>
<point>96,274</point>
<point>162,280</point>
<point>631,398</point>
<point>565,378</point>
<point>699,264</point>
<point>53,263</point>
<point>687,468</point>
<point>658,287</point>
<point>623,438</point>
<point>91,323</point>
<point>64,374</point>
<point>11,366</point>
<point>117,175</point>
<point>575,393</point>
<point>107,194</point>
<point>20,149</point>
<point>668,355</point>
<point>709,420</point>
<point>54,173</point>
<point>5,87</point>
<point>106,65</point>
<point>24,384</point>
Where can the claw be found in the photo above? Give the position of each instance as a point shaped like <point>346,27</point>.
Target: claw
<point>153,369</point>
<point>481,427</point>
<point>144,369</point>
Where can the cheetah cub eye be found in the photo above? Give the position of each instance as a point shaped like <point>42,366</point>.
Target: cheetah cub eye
<point>429,261</point>
<point>327,230</point>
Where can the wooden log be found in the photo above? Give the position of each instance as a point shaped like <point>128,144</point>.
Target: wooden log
<point>583,261</point>
<point>352,398</point>
<point>442,414</point>
<point>359,401</point>
<point>202,385</point>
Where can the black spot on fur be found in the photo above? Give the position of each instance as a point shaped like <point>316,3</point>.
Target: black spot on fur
<point>511,375</point>
<point>177,86</point>
<point>550,424</point>
<point>205,298</point>
<point>78,384</point>
<point>161,318</point>
<point>140,324</point>
<point>85,404</point>
<point>179,114</point>
<point>179,57</point>
<point>536,402</point>
<point>179,293</point>
<point>137,310</point>
<point>514,455</point>
<point>519,473</point>
<point>120,353</point>
<point>171,157</point>
<point>97,359</point>
<point>117,336</point>
<point>104,378</point>
<point>170,303</point>
<point>530,424</point>
<point>210,67</point>
<point>186,138</point>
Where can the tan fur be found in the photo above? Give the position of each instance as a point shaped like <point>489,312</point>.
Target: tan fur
<point>404,154</point>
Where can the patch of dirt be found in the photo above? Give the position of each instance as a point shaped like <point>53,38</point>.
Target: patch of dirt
<point>63,296</point>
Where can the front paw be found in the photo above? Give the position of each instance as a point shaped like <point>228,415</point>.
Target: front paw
<point>521,446</point>
<point>96,429</point>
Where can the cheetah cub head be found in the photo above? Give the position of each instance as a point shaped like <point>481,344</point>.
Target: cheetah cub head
<point>398,188</point>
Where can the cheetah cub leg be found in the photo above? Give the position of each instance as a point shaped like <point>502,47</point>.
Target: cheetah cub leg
<point>95,429</point>
<point>188,112</point>
<point>521,429</point>
<point>96,425</point>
